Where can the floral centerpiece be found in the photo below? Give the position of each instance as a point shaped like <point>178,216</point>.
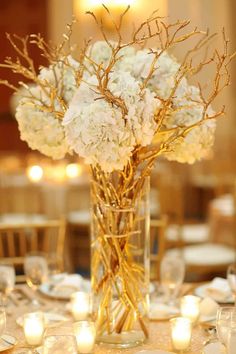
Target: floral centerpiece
<point>120,105</point>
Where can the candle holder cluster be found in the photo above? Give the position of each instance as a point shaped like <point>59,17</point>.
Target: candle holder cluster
<point>181,327</point>
<point>83,330</point>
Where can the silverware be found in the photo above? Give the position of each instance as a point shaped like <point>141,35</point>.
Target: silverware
<point>7,341</point>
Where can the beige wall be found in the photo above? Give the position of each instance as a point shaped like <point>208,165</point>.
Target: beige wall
<point>59,14</point>
<point>214,14</point>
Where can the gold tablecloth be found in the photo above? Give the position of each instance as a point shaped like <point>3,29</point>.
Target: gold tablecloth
<point>159,331</point>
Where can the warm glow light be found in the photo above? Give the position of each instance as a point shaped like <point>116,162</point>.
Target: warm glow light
<point>35,173</point>
<point>109,3</point>
<point>56,173</point>
<point>73,170</point>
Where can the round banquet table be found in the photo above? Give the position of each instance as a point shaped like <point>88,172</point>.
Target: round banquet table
<point>19,303</point>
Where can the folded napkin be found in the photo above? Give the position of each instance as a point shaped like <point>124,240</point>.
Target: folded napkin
<point>214,348</point>
<point>208,308</point>
<point>218,290</point>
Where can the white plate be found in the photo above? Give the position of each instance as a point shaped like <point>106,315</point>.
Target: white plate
<point>214,348</point>
<point>52,291</point>
<point>49,317</point>
<point>160,312</point>
<point>7,342</point>
<point>201,292</point>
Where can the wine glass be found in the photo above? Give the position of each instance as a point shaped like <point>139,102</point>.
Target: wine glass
<point>231,338</point>
<point>172,276</point>
<point>36,271</point>
<point>59,341</point>
<point>225,318</point>
<point>231,277</point>
<point>7,280</point>
<point>54,264</point>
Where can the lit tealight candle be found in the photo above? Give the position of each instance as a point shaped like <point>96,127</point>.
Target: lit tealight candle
<point>80,305</point>
<point>34,327</point>
<point>85,334</point>
<point>190,307</point>
<point>73,170</point>
<point>181,330</point>
<point>35,173</point>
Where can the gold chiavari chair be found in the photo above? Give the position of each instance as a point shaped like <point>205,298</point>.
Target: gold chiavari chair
<point>203,257</point>
<point>157,245</point>
<point>19,239</point>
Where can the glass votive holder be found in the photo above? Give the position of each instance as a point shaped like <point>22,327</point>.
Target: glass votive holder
<point>34,328</point>
<point>190,307</point>
<point>85,333</point>
<point>80,305</point>
<point>59,344</point>
<point>181,332</point>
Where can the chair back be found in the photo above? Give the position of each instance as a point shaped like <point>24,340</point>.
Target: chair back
<point>18,240</point>
<point>157,245</point>
<point>26,198</point>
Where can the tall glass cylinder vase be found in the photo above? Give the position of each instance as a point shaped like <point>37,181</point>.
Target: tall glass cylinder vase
<point>120,263</point>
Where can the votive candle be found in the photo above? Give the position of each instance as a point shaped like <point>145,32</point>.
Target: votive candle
<point>80,305</point>
<point>33,327</point>
<point>190,307</point>
<point>85,334</point>
<point>181,331</point>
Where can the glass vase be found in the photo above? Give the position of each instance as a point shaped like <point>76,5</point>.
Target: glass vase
<point>120,264</point>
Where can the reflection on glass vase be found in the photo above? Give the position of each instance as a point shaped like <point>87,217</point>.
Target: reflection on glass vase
<point>120,264</point>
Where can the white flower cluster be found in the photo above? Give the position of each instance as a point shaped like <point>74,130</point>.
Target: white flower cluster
<point>98,131</point>
<point>187,107</point>
<point>96,128</point>
<point>42,130</point>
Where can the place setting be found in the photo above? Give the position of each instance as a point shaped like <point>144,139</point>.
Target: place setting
<point>72,322</point>
<point>62,285</point>
<point>166,303</point>
<point>220,289</point>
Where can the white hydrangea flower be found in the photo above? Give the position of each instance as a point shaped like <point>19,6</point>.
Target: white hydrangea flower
<point>62,76</point>
<point>141,119</point>
<point>41,130</point>
<point>100,52</point>
<point>188,107</point>
<point>189,110</point>
<point>162,80</point>
<point>97,131</point>
<point>195,146</point>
